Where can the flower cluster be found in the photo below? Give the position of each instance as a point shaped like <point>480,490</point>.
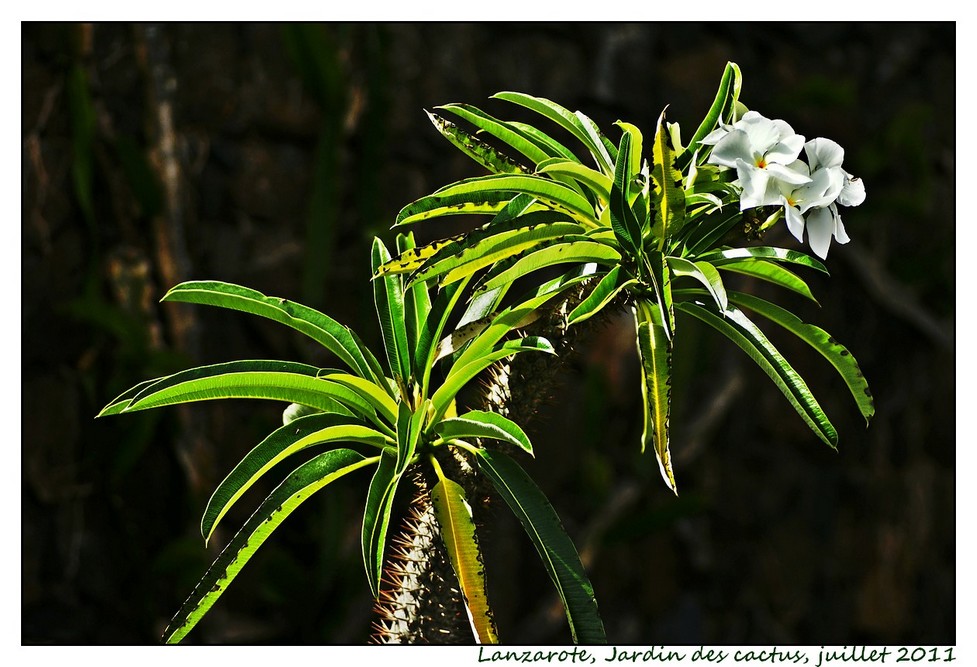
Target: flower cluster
<point>766,156</point>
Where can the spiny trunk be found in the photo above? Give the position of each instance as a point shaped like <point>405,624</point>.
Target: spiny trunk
<point>420,602</point>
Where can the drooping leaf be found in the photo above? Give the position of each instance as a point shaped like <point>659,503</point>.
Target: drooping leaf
<point>498,129</point>
<point>598,183</point>
<point>563,250</point>
<point>771,273</point>
<point>705,273</point>
<point>718,258</point>
<point>736,326</point>
<point>482,152</point>
<point>373,394</point>
<point>565,119</point>
<point>655,352</point>
<point>376,517</point>
<point>261,379</point>
<point>490,193</point>
<point>483,424</point>
<point>836,353</point>
<point>555,548</point>
<point>335,337</point>
<point>454,516</point>
<point>296,489</point>
<point>300,434</point>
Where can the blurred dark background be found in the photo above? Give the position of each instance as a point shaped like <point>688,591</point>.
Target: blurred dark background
<point>270,155</point>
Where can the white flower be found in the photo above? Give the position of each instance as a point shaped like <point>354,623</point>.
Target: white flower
<point>761,150</point>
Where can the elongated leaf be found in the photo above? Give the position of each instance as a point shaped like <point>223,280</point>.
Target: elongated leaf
<point>565,119</point>
<point>485,154</point>
<point>625,224</point>
<point>705,273</point>
<point>388,296</point>
<point>417,302</point>
<point>409,425</point>
<point>454,516</point>
<point>498,129</point>
<point>706,233</point>
<point>376,517</point>
<point>483,424</point>
<point>555,548</point>
<point>335,337</point>
<point>836,353</point>
<point>574,250</point>
<point>481,253</point>
<point>724,256</point>
<point>669,190</point>
<point>736,326</point>
<point>771,273</point>
<point>122,401</point>
<point>296,489</point>
<point>550,145</point>
<point>655,352</point>
<point>299,434</point>
<point>595,181</point>
<point>489,193</point>
<point>722,107</point>
<point>441,309</point>
<point>606,290</point>
<point>373,394</point>
<point>465,202</point>
<point>274,380</point>
<point>662,284</point>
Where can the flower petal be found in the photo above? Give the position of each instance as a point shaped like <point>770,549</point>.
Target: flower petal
<point>820,228</point>
<point>788,174</point>
<point>734,146</point>
<point>786,150</point>
<point>852,192</point>
<point>823,152</point>
<point>754,183</point>
<point>795,222</point>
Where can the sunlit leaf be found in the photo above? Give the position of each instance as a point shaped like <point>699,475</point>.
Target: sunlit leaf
<point>655,352</point>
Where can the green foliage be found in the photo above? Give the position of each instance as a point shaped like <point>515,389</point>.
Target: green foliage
<point>364,416</point>
<point>645,225</point>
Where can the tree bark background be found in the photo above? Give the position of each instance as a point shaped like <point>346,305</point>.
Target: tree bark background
<point>270,155</point>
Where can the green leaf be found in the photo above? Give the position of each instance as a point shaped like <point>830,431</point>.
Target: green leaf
<point>625,224</point>
<point>409,425</point>
<point>565,119</point>
<point>376,517</point>
<point>705,273</point>
<point>836,353</point>
<point>335,337</point>
<point>375,396</point>
<point>593,180</point>
<point>427,348</point>
<point>771,273</point>
<point>388,296</point>
<point>274,380</point>
<point>485,154</point>
<point>557,552</point>
<point>486,251</point>
<point>498,129</point>
<point>299,434</point>
<point>122,401</point>
<point>655,352</point>
<point>454,516</point>
<point>722,108</point>
<point>668,187</point>
<point>736,326</point>
<point>483,424</point>
<point>417,302</point>
<point>706,233</point>
<point>718,258</point>
<point>296,489</point>
<point>490,193</point>
<point>606,290</point>
<point>576,250</point>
